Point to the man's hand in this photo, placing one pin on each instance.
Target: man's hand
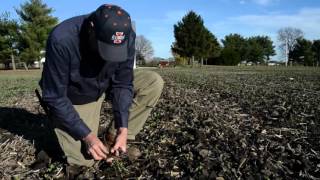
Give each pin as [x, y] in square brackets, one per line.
[121, 142]
[95, 147]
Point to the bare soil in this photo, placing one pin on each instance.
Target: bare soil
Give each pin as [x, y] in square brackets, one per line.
[210, 123]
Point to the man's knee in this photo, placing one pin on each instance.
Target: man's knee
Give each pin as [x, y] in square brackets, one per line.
[157, 82]
[148, 83]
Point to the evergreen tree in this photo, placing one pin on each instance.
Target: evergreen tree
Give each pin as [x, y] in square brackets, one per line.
[193, 39]
[210, 49]
[254, 51]
[189, 35]
[267, 46]
[302, 52]
[229, 57]
[36, 23]
[316, 51]
[8, 39]
[238, 44]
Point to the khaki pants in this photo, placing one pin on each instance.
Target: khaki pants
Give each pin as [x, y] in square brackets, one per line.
[147, 87]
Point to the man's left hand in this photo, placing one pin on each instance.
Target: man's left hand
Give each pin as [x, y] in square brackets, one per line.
[121, 142]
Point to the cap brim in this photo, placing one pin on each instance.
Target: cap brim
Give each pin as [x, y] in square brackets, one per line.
[113, 53]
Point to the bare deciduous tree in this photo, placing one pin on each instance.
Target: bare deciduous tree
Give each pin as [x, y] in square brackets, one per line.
[144, 49]
[288, 38]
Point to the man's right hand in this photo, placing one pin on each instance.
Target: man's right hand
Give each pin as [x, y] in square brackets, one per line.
[95, 147]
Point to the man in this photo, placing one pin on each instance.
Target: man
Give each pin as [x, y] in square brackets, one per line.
[88, 58]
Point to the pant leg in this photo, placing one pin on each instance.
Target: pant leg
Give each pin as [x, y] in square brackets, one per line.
[75, 150]
[148, 86]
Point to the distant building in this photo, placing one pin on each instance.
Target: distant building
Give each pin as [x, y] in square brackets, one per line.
[245, 63]
[36, 63]
[273, 63]
[163, 64]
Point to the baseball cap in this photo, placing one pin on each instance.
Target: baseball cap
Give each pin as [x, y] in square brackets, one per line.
[112, 27]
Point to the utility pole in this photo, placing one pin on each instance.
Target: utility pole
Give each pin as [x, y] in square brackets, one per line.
[135, 56]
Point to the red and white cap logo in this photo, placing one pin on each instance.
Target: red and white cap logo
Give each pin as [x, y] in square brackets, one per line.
[118, 37]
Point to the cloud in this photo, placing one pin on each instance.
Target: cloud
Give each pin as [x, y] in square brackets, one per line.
[259, 2]
[263, 2]
[306, 19]
[242, 2]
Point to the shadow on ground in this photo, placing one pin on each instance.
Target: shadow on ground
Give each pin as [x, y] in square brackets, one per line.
[33, 127]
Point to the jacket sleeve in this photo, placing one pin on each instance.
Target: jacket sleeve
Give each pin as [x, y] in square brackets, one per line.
[122, 87]
[54, 82]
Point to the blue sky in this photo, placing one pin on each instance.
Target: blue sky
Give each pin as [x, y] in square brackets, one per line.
[155, 19]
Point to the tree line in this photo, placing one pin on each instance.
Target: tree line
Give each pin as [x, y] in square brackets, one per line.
[305, 52]
[24, 40]
[195, 43]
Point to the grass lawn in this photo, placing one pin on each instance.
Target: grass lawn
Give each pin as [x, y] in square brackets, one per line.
[15, 84]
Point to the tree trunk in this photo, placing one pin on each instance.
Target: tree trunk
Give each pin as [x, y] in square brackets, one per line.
[201, 62]
[25, 66]
[192, 61]
[40, 65]
[13, 62]
[318, 59]
[7, 65]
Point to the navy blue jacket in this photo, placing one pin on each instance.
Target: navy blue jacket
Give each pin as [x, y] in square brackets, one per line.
[70, 77]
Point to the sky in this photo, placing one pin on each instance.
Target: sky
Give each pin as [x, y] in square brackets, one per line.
[155, 19]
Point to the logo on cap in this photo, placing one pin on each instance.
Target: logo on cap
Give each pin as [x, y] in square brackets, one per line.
[118, 37]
